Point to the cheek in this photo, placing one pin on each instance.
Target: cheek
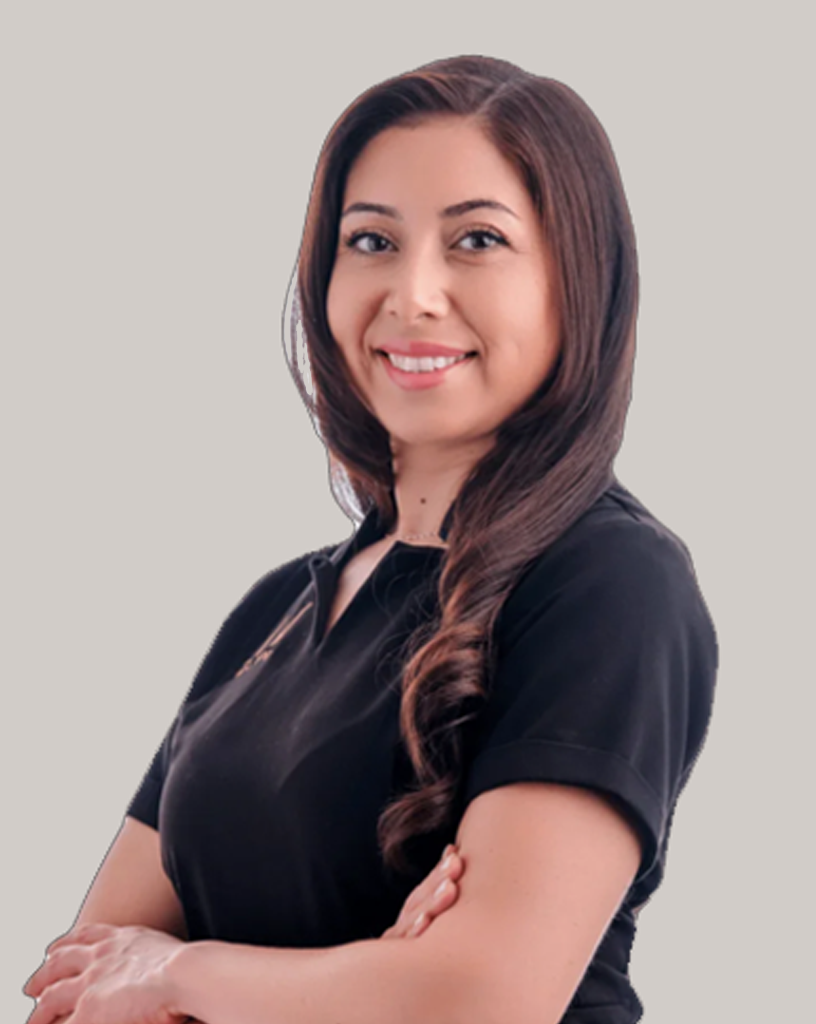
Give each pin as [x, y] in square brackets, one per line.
[530, 314]
[521, 338]
[513, 296]
[346, 311]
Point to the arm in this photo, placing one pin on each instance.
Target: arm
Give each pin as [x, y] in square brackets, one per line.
[366, 982]
[131, 886]
[547, 867]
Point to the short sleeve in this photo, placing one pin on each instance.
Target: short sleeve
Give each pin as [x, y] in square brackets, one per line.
[144, 804]
[244, 628]
[604, 677]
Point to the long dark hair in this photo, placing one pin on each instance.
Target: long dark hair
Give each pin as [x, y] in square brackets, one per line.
[551, 459]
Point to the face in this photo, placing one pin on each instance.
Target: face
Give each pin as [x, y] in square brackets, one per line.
[420, 264]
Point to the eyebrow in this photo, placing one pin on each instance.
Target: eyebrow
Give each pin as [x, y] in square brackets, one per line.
[456, 210]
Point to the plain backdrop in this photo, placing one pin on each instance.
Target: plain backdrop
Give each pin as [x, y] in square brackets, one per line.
[156, 162]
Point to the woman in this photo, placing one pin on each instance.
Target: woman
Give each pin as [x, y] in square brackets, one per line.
[511, 653]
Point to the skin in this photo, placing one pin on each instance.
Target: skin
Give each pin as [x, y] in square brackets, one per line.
[478, 281]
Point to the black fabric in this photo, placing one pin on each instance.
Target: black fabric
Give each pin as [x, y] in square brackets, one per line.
[268, 785]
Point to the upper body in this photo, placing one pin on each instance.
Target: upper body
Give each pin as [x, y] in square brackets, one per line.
[267, 787]
[474, 212]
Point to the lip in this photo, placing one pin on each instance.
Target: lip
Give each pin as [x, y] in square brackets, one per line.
[417, 348]
[419, 381]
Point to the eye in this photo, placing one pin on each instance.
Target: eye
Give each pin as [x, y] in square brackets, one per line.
[378, 241]
[350, 242]
[483, 233]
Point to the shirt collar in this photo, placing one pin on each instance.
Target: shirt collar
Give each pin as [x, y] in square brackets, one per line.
[372, 528]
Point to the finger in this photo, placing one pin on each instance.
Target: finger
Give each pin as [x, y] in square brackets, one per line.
[418, 900]
[449, 870]
[414, 921]
[66, 962]
[58, 1001]
[425, 896]
[419, 926]
[85, 933]
[452, 866]
[442, 899]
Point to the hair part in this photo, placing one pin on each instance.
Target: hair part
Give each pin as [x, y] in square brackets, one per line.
[551, 459]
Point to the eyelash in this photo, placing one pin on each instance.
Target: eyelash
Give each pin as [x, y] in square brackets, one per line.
[350, 241]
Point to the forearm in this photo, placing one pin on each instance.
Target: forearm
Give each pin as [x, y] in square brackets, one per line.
[374, 981]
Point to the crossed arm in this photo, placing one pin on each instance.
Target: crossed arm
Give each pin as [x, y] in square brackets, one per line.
[547, 866]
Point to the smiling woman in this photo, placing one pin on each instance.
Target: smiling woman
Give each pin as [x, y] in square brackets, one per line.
[532, 681]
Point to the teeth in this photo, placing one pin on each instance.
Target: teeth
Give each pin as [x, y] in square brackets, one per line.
[423, 365]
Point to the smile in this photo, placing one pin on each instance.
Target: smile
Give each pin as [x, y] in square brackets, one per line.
[423, 364]
[413, 373]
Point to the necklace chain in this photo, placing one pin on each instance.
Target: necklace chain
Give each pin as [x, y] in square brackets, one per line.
[415, 536]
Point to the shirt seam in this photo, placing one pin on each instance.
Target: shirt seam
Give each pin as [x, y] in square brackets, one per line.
[572, 746]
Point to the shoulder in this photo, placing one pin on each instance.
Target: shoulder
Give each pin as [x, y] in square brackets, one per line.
[616, 556]
[279, 582]
[273, 593]
[252, 617]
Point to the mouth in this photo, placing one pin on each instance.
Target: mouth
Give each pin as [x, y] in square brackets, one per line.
[424, 373]
[423, 364]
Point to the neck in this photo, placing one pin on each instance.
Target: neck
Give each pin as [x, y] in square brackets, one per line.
[427, 482]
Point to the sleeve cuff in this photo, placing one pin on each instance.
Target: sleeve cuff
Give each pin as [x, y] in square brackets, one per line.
[550, 761]
[145, 804]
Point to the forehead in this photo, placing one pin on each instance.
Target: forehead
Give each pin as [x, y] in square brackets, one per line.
[440, 161]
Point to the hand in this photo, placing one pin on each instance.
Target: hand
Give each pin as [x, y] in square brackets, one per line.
[427, 901]
[106, 974]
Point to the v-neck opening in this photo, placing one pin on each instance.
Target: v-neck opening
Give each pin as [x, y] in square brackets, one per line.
[322, 633]
[327, 570]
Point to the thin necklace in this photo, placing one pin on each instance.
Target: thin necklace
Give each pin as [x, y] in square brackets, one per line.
[416, 536]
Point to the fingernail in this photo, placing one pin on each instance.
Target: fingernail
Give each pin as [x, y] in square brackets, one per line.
[417, 924]
[441, 888]
[446, 863]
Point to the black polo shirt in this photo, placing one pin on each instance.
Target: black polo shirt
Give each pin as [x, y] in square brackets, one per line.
[269, 783]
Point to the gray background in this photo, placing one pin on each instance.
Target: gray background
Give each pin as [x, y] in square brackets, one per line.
[156, 164]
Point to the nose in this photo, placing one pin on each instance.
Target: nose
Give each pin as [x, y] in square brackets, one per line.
[418, 286]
